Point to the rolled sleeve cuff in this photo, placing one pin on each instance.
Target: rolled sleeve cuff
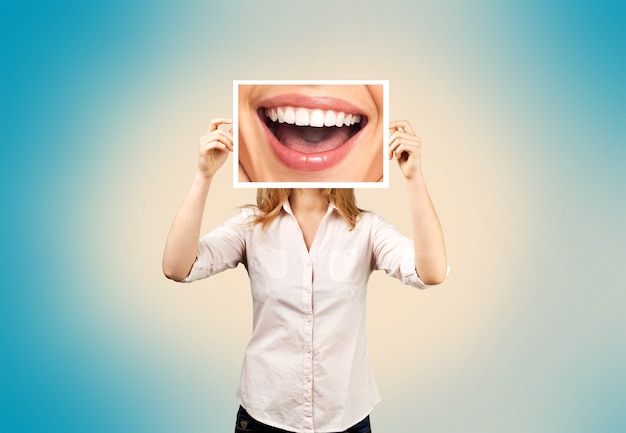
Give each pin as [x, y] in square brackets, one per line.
[409, 274]
[196, 273]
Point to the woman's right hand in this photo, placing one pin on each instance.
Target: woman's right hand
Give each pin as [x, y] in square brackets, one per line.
[214, 147]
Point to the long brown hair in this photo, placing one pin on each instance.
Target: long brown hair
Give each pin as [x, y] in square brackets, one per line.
[270, 201]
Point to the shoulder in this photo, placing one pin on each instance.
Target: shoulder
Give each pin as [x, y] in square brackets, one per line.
[369, 222]
[369, 219]
[242, 219]
[244, 214]
[377, 227]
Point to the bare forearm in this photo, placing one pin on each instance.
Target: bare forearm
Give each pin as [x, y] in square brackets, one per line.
[181, 246]
[430, 251]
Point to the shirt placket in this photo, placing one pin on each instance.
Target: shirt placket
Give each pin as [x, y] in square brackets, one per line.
[307, 309]
[307, 370]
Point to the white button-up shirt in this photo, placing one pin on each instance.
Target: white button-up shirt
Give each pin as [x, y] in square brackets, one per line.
[306, 367]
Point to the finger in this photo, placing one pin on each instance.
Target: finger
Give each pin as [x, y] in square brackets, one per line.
[217, 122]
[228, 142]
[217, 135]
[394, 144]
[402, 137]
[220, 134]
[405, 136]
[412, 145]
[398, 154]
[396, 125]
[401, 149]
[226, 127]
[410, 149]
[211, 146]
[402, 125]
[227, 139]
[403, 152]
[215, 148]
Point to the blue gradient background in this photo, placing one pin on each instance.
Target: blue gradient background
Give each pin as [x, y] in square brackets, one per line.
[521, 107]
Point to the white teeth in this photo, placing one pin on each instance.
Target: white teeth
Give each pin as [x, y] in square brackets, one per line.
[340, 117]
[330, 118]
[316, 118]
[302, 117]
[311, 117]
[290, 115]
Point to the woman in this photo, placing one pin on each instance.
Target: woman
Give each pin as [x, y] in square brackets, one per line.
[309, 253]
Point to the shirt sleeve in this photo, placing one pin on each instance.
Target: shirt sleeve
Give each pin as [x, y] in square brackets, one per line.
[394, 253]
[222, 248]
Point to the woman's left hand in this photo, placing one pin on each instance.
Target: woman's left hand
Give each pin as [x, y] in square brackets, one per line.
[406, 147]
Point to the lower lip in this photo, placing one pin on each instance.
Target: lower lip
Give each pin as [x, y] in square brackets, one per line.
[308, 162]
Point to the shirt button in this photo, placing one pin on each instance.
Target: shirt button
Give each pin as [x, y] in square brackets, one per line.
[309, 318]
[307, 350]
[307, 378]
[307, 290]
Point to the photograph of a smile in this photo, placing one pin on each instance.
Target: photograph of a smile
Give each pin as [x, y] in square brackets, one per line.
[330, 132]
[309, 130]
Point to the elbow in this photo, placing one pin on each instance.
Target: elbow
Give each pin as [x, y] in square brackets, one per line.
[433, 277]
[433, 280]
[174, 274]
[176, 268]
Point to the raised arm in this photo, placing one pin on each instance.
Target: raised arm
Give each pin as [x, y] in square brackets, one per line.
[430, 250]
[182, 240]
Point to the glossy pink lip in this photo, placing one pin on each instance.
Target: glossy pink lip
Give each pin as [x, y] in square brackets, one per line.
[320, 102]
[309, 162]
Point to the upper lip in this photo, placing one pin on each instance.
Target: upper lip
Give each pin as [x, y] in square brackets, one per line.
[311, 102]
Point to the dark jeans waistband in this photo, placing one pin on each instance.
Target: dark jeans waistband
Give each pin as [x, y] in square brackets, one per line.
[247, 424]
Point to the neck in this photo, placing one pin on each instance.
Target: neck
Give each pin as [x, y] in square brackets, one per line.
[307, 200]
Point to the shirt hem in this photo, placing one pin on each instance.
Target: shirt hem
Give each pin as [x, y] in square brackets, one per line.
[291, 429]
